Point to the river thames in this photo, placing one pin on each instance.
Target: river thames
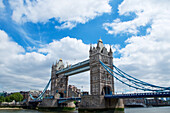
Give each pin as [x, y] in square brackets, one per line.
[127, 110]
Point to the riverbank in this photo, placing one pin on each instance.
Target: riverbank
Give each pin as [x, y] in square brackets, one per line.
[127, 110]
[7, 108]
[10, 107]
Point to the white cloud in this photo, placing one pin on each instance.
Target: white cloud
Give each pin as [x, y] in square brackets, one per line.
[67, 12]
[20, 70]
[147, 12]
[2, 4]
[145, 57]
[66, 25]
[64, 49]
[17, 68]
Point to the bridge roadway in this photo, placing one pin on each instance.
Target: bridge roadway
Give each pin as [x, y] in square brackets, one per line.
[133, 95]
[139, 95]
[75, 69]
[60, 100]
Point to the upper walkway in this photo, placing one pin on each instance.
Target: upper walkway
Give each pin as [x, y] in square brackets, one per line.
[75, 69]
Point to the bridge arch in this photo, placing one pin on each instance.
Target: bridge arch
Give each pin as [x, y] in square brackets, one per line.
[61, 95]
[106, 90]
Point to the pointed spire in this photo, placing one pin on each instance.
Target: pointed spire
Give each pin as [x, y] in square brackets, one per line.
[56, 63]
[110, 49]
[53, 64]
[90, 47]
[100, 40]
[100, 44]
[110, 52]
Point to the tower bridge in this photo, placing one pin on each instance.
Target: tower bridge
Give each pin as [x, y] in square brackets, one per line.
[102, 95]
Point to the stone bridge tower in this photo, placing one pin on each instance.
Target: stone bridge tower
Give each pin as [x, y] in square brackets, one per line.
[101, 82]
[59, 83]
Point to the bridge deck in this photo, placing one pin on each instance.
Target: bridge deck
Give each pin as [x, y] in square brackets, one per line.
[139, 95]
[134, 95]
[61, 100]
[71, 98]
[33, 101]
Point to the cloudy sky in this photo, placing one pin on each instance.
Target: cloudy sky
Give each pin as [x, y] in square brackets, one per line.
[36, 33]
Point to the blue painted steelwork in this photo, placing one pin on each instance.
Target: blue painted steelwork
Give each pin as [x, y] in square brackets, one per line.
[140, 81]
[33, 101]
[76, 68]
[139, 95]
[138, 84]
[41, 95]
[62, 100]
[119, 79]
[50, 97]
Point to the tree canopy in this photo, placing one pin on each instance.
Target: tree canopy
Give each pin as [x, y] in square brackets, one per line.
[15, 96]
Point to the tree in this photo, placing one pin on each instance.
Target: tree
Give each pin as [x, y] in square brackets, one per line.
[16, 96]
[7, 99]
[2, 98]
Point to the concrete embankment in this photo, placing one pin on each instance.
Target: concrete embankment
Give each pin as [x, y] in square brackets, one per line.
[11, 107]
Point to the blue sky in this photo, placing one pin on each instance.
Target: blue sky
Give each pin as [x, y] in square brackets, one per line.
[34, 34]
[43, 33]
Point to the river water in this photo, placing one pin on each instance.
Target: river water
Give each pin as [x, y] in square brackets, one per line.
[127, 110]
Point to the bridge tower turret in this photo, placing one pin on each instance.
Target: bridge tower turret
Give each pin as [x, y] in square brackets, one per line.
[59, 83]
[101, 82]
[53, 79]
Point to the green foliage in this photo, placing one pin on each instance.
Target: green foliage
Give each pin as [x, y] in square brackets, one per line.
[16, 96]
[2, 99]
[7, 99]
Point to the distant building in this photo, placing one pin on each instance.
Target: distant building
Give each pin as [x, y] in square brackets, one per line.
[73, 91]
[147, 101]
[35, 93]
[4, 94]
[134, 100]
[84, 93]
[25, 94]
[47, 93]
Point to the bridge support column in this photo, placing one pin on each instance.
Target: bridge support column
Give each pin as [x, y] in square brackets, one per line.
[53, 105]
[114, 103]
[91, 103]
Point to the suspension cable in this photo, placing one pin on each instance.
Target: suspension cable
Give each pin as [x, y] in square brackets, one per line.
[43, 92]
[107, 68]
[144, 83]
